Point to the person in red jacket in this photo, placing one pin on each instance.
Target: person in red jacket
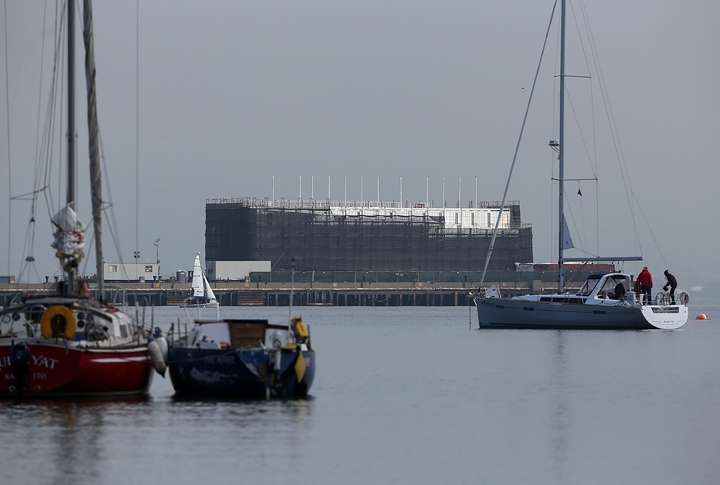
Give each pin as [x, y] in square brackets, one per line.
[645, 282]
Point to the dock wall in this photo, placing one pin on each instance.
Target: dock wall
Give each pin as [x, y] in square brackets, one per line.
[304, 294]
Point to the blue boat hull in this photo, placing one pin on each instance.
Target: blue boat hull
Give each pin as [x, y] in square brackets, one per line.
[509, 313]
[244, 372]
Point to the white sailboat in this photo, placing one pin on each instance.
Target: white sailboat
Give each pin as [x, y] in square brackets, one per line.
[203, 296]
[604, 302]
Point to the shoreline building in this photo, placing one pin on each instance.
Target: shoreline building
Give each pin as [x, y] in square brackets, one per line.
[368, 236]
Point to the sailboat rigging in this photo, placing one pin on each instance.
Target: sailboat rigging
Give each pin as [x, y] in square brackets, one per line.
[68, 343]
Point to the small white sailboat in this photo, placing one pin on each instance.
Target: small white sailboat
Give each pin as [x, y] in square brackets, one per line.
[604, 302]
[203, 296]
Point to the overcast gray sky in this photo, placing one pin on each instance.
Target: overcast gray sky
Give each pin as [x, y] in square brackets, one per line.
[234, 92]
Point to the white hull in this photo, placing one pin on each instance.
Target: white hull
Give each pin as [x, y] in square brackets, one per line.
[213, 304]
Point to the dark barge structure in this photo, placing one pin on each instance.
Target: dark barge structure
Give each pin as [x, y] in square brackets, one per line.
[382, 236]
[353, 254]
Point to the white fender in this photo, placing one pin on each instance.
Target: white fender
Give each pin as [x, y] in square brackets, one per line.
[163, 344]
[157, 357]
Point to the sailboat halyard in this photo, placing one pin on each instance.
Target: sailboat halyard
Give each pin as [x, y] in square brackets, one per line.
[604, 302]
[69, 344]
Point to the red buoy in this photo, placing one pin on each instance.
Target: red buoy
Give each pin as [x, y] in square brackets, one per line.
[702, 317]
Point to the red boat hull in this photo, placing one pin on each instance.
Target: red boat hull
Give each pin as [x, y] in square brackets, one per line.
[57, 370]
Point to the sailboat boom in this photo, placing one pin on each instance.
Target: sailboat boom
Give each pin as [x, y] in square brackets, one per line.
[603, 259]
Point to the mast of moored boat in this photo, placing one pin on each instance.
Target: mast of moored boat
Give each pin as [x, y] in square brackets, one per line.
[94, 151]
[561, 149]
[70, 200]
[561, 172]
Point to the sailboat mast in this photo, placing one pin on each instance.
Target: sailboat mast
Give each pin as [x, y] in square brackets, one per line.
[71, 123]
[561, 150]
[71, 105]
[94, 150]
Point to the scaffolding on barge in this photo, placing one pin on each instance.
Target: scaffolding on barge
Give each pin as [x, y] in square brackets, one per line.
[382, 236]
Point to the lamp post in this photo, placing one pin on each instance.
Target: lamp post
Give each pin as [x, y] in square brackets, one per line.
[157, 255]
[157, 249]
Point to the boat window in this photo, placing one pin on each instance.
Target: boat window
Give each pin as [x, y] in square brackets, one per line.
[589, 285]
[611, 290]
[562, 299]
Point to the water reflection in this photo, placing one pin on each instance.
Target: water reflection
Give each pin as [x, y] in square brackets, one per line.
[240, 414]
[65, 436]
[73, 438]
[560, 418]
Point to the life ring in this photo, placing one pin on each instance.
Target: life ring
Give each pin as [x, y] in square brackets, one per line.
[58, 320]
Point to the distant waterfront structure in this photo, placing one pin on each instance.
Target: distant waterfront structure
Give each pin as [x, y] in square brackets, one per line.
[235, 270]
[122, 272]
[365, 236]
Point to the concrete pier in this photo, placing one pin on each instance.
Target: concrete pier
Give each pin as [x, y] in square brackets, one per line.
[278, 294]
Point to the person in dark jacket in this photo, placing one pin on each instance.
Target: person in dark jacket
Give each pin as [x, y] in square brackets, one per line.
[645, 282]
[672, 283]
[619, 291]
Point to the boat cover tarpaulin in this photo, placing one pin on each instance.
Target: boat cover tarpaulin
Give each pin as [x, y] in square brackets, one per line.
[70, 234]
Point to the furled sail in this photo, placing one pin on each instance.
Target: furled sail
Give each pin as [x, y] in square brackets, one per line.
[69, 236]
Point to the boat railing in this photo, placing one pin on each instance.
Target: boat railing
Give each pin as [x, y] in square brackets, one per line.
[283, 203]
[113, 292]
[664, 298]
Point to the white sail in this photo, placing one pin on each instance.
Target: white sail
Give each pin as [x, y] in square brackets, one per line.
[197, 280]
[210, 294]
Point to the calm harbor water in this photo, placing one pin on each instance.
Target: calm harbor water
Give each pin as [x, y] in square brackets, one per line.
[408, 395]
